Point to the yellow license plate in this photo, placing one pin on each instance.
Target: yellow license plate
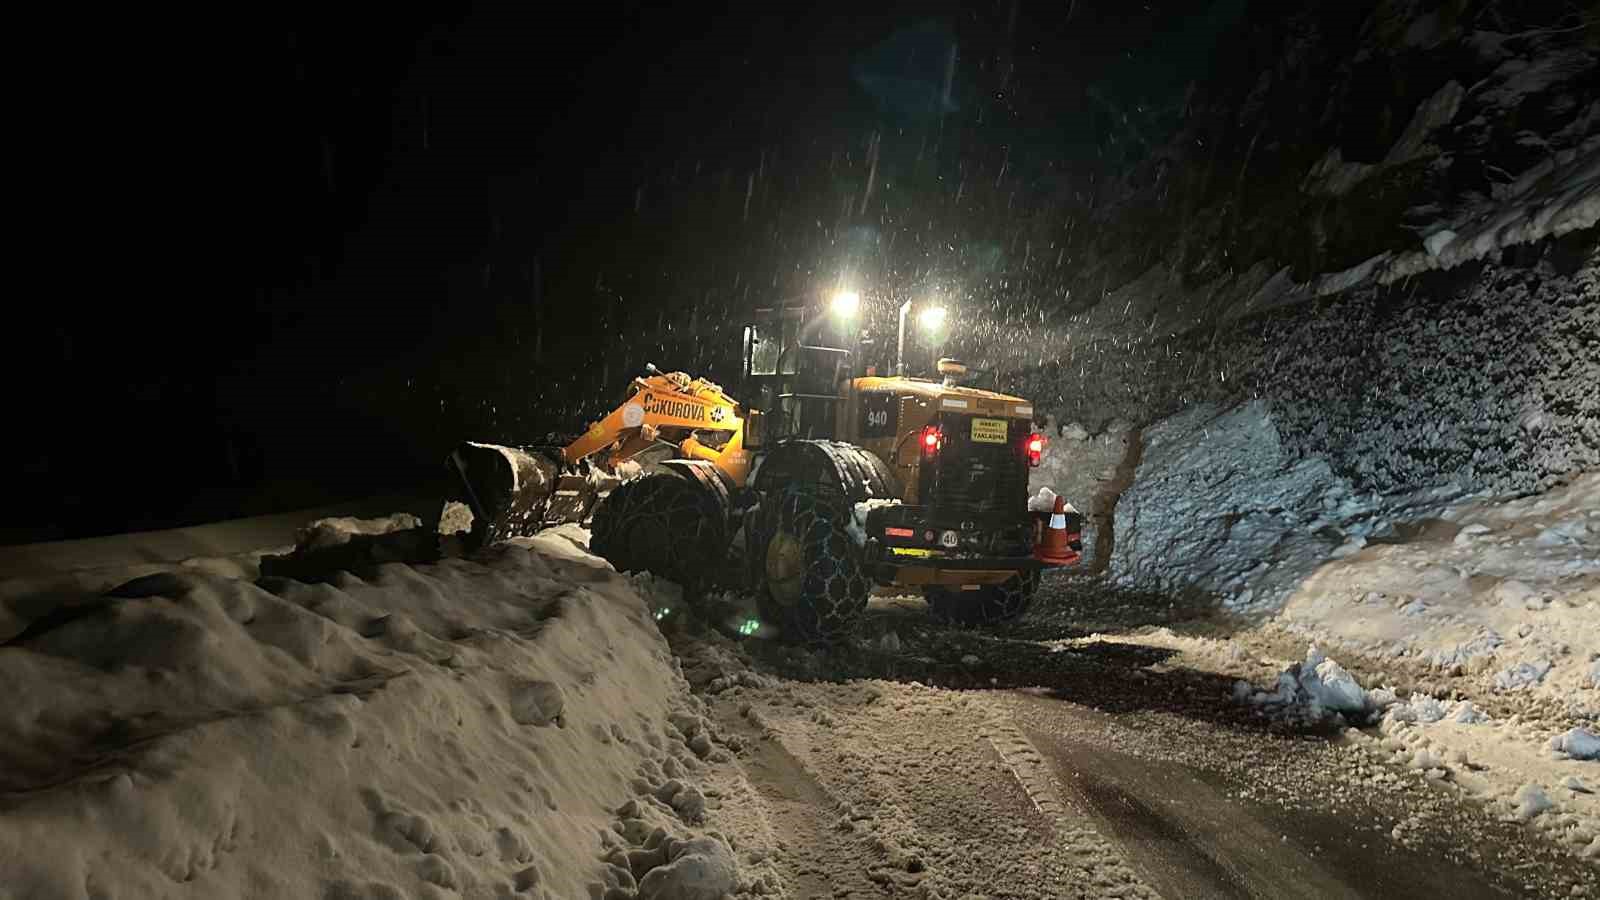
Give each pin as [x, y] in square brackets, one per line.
[910, 551]
[989, 431]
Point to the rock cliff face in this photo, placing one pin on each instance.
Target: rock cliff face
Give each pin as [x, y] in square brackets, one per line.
[1363, 280]
[1343, 144]
[1398, 258]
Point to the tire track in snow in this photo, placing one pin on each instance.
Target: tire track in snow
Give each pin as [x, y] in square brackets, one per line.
[1190, 835]
[817, 859]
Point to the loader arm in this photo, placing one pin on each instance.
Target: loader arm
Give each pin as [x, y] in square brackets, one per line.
[670, 408]
[514, 491]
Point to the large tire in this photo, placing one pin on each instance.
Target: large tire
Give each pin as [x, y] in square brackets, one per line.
[664, 523]
[988, 605]
[811, 583]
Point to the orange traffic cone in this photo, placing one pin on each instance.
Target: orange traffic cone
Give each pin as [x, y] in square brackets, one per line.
[1056, 546]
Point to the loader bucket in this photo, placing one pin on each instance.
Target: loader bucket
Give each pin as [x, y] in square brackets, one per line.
[577, 493]
[573, 499]
[506, 488]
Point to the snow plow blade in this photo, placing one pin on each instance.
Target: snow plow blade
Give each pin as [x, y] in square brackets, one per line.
[507, 489]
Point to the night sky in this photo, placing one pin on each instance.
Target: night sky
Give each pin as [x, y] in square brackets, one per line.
[387, 192]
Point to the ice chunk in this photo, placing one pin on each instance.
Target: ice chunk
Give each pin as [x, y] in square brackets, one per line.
[1426, 759]
[337, 531]
[1382, 698]
[1319, 684]
[1335, 689]
[1465, 713]
[537, 703]
[1419, 708]
[1579, 743]
[1532, 801]
[1513, 593]
[1522, 675]
[1436, 242]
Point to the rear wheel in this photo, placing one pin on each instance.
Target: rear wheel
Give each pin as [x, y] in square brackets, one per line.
[663, 523]
[813, 586]
[987, 605]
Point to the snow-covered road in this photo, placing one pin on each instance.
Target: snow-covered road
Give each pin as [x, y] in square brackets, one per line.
[971, 764]
[515, 725]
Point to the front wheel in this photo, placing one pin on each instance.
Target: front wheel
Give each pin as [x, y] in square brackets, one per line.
[988, 605]
[663, 523]
[812, 583]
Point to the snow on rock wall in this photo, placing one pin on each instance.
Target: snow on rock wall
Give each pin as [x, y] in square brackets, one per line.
[1364, 281]
[1323, 421]
[1218, 504]
[1480, 380]
[459, 729]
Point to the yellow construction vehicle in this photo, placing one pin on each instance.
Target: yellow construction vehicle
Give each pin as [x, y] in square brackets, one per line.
[828, 483]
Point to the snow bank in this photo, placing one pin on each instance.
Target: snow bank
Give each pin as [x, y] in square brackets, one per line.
[458, 728]
[1504, 594]
[337, 531]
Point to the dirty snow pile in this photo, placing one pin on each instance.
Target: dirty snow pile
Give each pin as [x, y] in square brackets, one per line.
[481, 728]
[1550, 783]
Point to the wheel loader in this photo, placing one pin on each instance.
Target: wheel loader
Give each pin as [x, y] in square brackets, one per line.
[826, 482]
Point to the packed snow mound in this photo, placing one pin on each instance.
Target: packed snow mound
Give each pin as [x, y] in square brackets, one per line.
[456, 728]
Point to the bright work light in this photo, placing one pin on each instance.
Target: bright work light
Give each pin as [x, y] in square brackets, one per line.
[931, 318]
[846, 304]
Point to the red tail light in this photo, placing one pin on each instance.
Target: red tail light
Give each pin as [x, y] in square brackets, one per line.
[932, 440]
[1035, 449]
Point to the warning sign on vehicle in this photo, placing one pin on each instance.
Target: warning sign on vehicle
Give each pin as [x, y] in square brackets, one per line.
[989, 431]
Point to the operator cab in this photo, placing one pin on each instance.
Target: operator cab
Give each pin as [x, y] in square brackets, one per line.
[794, 368]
